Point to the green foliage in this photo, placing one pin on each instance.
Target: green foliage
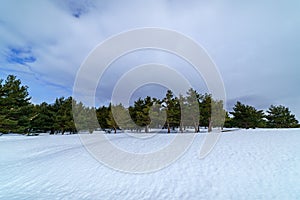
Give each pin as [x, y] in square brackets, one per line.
[245, 116]
[119, 118]
[86, 118]
[212, 113]
[140, 112]
[228, 121]
[157, 114]
[63, 118]
[171, 105]
[43, 118]
[280, 117]
[205, 110]
[190, 109]
[218, 114]
[15, 106]
[102, 116]
[18, 115]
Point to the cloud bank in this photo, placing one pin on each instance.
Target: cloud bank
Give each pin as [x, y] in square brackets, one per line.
[255, 44]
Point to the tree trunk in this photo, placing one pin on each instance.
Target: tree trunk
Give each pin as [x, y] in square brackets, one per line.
[209, 125]
[181, 127]
[196, 127]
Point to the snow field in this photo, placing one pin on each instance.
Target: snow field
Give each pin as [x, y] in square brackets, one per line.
[245, 164]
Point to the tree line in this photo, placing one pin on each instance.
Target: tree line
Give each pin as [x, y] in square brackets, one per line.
[19, 115]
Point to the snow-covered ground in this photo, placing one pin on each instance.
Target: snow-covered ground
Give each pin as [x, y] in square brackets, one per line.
[245, 164]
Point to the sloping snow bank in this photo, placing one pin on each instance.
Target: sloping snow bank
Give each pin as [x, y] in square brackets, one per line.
[245, 164]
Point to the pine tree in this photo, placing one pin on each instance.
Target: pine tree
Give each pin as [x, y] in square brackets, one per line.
[157, 114]
[110, 120]
[15, 107]
[63, 119]
[42, 119]
[218, 115]
[228, 121]
[172, 108]
[86, 118]
[205, 110]
[184, 111]
[212, 113]
[121, 117]
[280, 117]
[245, 116]
[140, 112]
[191, 113]
[102, 116]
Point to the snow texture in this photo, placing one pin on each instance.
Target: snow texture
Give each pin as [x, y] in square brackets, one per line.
[245, 164]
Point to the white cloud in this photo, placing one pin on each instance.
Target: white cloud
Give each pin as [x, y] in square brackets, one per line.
[255, 44]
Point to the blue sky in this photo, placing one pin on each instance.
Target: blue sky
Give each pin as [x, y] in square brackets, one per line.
[255, 44]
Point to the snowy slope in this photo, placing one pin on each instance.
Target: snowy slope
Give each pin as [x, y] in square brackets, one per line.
[245, 164]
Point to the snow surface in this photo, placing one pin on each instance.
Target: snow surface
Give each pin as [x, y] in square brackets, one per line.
[245, 164]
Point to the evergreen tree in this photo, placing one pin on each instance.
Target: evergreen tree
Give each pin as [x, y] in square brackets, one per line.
[184, 111]
[18, 115]
[209, 107]
[63, 119]
[42, 119]
[140, 112]
[111, 120]
[190, 114]
[228, 121]
[15, 107]
[80, 116]
[205, 110]
[219, 114]
[119, 116]
[92, 122]
[280, 117]
[157, 114]
[245, 116]
[102, 116]
[172, 108]
[86, 118]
